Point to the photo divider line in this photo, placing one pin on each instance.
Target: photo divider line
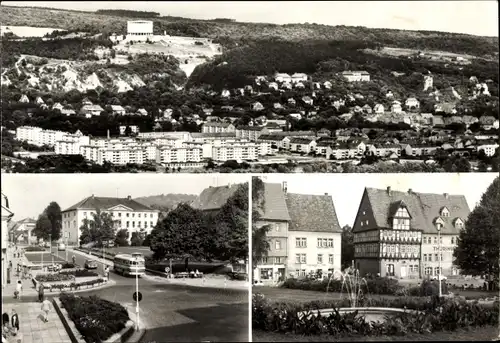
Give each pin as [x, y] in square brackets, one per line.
[250, 266]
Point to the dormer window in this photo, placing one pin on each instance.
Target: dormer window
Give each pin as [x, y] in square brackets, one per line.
[402, 213]
[401, 219]
[444, 212]
[459, 224]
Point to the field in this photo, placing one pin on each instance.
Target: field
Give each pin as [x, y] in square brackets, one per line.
[28, 31]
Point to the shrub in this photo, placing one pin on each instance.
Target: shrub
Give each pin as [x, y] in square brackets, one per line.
[34, 248]
[79, 273]
[96, 319]
[431, 287]
[434, 315]
[68, 266]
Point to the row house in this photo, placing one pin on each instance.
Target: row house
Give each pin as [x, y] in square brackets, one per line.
[214, 127]
[396, 233]
[250, 133]
[384, 150]
[356, 76]
[302, 145]
[419, 149]
[126, 213]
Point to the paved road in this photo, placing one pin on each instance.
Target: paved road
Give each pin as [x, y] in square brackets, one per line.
[180, 313]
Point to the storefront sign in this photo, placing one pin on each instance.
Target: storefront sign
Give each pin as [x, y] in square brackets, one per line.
[444, 248]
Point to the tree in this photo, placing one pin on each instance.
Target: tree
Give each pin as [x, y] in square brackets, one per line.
[137, 238]
[100, 229]
[121, 238]
[479, 242]
[43, 227]
[182, 231]
[54, 215]
[260, 243]
[347, 253]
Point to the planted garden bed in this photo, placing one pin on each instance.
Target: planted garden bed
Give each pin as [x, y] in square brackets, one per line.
[96, 319]
[434, 315]
[79, 273]
[32, 248]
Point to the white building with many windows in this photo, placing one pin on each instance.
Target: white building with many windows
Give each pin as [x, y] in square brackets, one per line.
[38, 136]
[139, 29]
[126, 212]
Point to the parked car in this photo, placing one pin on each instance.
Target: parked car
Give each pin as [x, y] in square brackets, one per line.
[47, 245]
[61, 247]
[89, 264]
[441, 277]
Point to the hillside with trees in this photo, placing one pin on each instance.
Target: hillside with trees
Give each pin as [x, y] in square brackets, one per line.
[166, 202]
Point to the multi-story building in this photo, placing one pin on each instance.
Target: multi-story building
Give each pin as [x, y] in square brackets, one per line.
[214, 127]
[274, 214]
[304, 235]
[127, 213]
[70, 144]
[169, 154]
[7, 215]
[356, 76]
[183, 135]
[314, 235]
[237, 151]
[396, 233]
[38, 136]
[251, 133]
[22, 231]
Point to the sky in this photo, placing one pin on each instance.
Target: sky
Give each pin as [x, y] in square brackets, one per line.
[346, 190]
[29, 194]
[472, 17]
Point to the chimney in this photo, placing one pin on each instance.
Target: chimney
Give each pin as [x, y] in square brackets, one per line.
[389, 190]
[92, 196]
[108, 134]
[446, 195]
[326, 193]
[129, 197]
[410, 191]
[285, 188]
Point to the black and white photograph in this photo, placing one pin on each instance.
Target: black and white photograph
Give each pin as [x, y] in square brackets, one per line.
[130, 258]
[378, 257]
[253, 86]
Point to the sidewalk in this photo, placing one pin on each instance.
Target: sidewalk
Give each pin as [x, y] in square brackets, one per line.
[33, 329]
[28, 288]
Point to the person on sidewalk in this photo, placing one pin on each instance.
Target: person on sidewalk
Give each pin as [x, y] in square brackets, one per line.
[46, 307]
[14, 319]
[5, 319]
[73, 259]
[106, 273]
[19, 289]
[41, 291]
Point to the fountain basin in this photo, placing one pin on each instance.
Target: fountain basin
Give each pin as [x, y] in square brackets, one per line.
[371, 314]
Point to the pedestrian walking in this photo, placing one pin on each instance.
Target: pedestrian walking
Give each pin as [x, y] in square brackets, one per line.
[19, 290]
[46, 307]
[41, 291]
[73, 259]
[14, 320]
[106, 273]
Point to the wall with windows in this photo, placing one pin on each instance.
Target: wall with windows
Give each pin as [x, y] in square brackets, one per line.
[430, 255]
[272, 267]
[313, 251]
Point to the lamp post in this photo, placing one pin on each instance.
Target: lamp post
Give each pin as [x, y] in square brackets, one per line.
[438, 227]
[137, 293]
[66, 234]
[50, 239]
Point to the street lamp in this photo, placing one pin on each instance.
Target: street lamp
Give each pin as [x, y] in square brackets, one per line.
[137, 292]
[438, 227]
[50, 239]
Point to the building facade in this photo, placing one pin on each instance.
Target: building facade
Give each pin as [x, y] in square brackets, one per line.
[396, 233]
[139, 29]
[304, 235]
[127, 213]
[7, 215]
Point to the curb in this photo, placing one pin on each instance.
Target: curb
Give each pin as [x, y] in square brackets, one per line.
[68, 324]
[109, 283]
[135, 336]
[123, 335]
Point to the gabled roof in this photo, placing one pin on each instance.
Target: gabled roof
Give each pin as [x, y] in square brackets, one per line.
[301, 140]
[312, 213]
[213, 198]
[104, 203]
[275, 207]
[423, 208]
[117, 108]
[92, 108]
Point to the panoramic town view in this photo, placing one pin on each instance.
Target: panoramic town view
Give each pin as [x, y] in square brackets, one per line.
[404, 257]
[115, 90]
[149, 259]
[283, 171]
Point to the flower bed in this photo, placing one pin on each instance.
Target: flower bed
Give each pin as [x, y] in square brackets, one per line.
[73, 285]
[54, 277]
[79, 273]
[381, 285]
[96, 319]
[435, 315]
[68, 266]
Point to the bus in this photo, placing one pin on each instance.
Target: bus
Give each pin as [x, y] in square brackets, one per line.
[127, 264]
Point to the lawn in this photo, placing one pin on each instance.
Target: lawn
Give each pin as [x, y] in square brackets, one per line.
[285, 294]
[476, 334]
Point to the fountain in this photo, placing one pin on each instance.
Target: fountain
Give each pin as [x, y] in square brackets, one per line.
[353, 283]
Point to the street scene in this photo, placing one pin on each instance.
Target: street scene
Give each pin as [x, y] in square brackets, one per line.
[402, 256]
[197, 292]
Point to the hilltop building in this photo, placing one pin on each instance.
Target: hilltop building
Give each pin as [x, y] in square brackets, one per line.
[139, 29]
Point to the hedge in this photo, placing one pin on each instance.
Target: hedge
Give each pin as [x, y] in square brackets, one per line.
[34, 248]
[96, 319]
[378, 285]
[79, 273]
[435, 314]
[68, 265]
[74, 286]
[53, 277]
